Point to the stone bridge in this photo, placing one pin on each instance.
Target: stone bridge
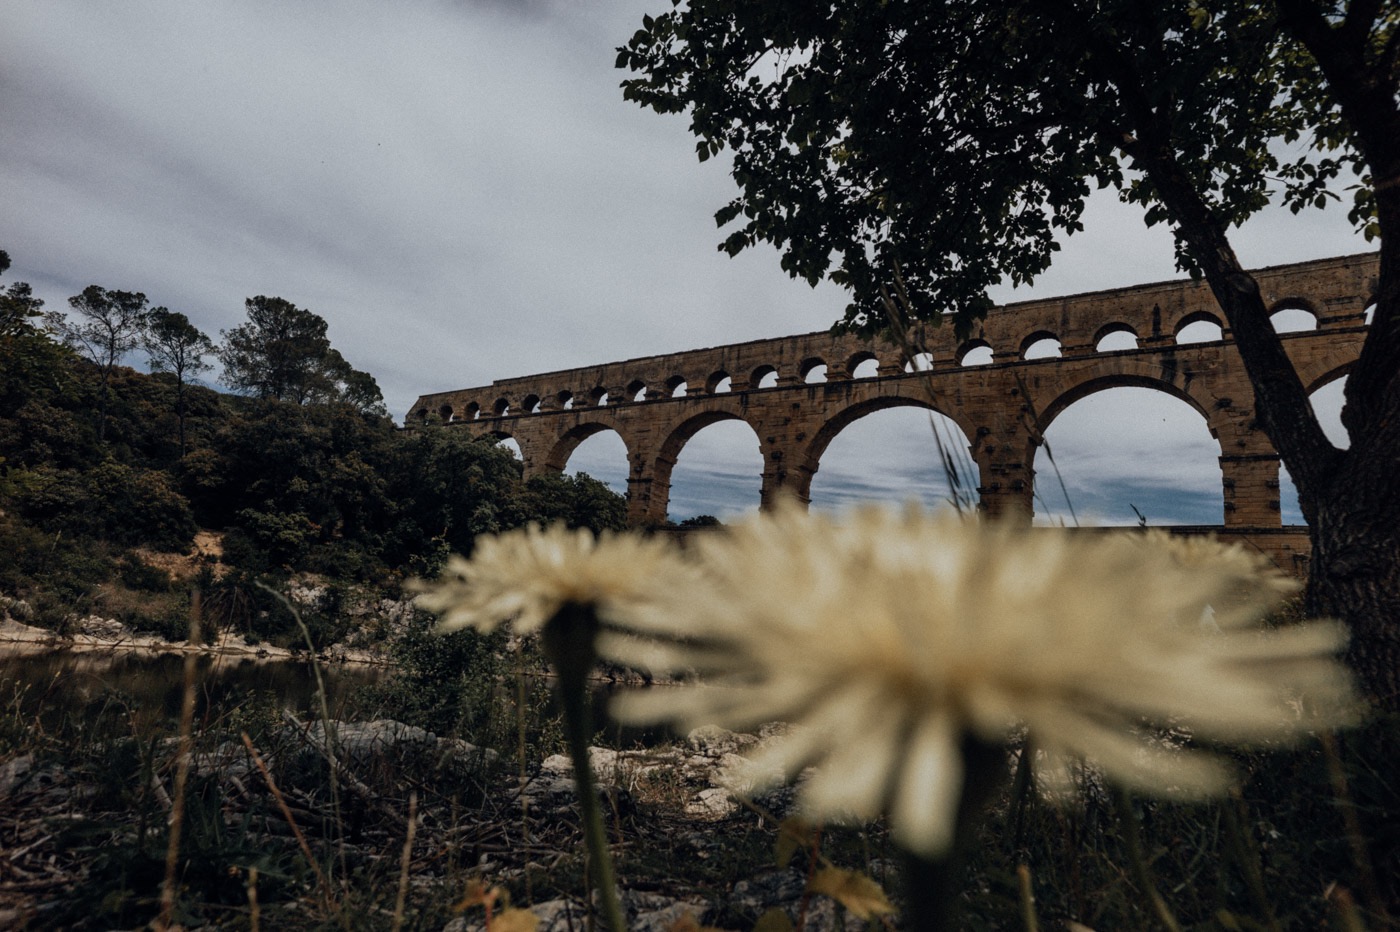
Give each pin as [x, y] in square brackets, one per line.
[1026, 363]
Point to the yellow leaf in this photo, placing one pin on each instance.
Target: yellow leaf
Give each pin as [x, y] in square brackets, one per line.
[860, 894]
[794, 835]
[514, 920]
[688, 923]
[774, 920]
[478, 894]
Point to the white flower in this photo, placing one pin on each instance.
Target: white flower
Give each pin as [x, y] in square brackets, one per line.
[888, 639]
[526, 576]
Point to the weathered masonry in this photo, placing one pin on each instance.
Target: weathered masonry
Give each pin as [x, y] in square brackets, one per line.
[1000, 387]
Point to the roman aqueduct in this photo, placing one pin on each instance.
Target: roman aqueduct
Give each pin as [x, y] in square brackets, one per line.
[1027, 363]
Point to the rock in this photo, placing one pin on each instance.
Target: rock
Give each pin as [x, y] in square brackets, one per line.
[103, 629]
[361, 743]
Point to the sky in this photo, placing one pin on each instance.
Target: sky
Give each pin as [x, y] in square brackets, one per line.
[459, 189]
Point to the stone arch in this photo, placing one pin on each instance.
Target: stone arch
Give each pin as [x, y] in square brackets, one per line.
[676, 440]
[1292, 315]
[1041, 344]
[1112, 455]
[599, 397]
[1198, 317]
[558, 458]
[810, 459]
[807, 369]
[857, 360]
[1111, 331]
[637, 390]
[676, 386]
[530, 404]
[869, 450]
[974, 348]
[920, 362]
[501, 408]
[718, 383]
[445, 412]
[760, 373]
[421, 414]
[472, 411]
[1122, 377]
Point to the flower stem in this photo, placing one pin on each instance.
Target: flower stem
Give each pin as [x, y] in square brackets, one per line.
[933, 884]
[569, 644]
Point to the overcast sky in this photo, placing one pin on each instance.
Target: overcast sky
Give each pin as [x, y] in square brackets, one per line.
[460, 190]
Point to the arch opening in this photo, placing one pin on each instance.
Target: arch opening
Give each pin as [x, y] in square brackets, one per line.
[530, 404]
[867, 368]
[511, 444]
[445, 412]
[718, 469]
[974, 353]
[1115, 338]
[920, 362]
[565, 400]
[813, 371]
[597, 451]
[1293, 320]
[1327, 402]
[501, 407]
[599, 397]
[1201, 327]
[890, 452]
[764, 377]
[1126, 454]
[637, 390]
[718, 383]
[1041, 346]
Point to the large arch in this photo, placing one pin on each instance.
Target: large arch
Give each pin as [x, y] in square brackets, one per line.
[661, 467]
[1327, 396]
[609, 466]
[908, 447]
[1117, 451]
[714, 466]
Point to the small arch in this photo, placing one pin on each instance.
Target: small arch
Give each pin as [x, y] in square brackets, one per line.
[764, 377]
[473, 411]
[1293, 320]
[531, 404]
[812, 370]
[1200, 327]
[718, 383]
[637, 390]
[919, 362]
[1040, 345]
[501, 407]
[421, 414]
[1115, 337]
[676, 386]
[974, 353]
[565, 399]
[863, 365]
[599, 397]
[445, 412]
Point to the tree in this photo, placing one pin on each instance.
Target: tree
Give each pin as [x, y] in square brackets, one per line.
[110, 325]
[283, 353]
[920, 152]
[176, 346]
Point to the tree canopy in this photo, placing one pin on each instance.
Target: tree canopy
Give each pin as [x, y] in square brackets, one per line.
[283, 352]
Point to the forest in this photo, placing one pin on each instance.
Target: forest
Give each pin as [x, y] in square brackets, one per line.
[297, 471]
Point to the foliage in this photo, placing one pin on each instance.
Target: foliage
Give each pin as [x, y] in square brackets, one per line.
[283, 353]
[176, 346]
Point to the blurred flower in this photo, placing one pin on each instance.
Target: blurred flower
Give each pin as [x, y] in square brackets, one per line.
[889, 639]
[527, 576]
